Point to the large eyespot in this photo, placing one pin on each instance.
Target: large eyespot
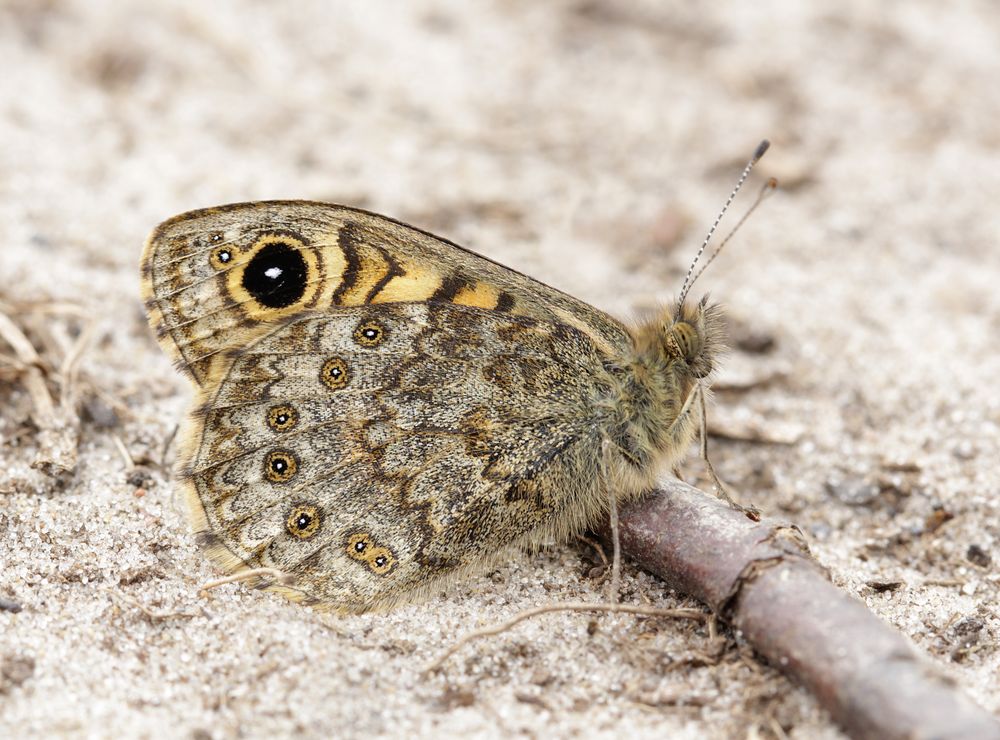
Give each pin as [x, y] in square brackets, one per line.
[280, 466]
[303, 521]
[369, 333]
[277, 274]
[334, 373]
[282, 418]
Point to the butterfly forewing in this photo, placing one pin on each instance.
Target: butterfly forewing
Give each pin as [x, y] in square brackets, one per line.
[216, 279]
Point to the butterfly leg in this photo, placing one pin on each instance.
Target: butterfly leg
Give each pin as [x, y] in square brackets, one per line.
[616, 550]
[750, 511]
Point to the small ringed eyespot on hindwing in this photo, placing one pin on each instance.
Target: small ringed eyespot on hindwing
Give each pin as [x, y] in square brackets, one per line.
[282, 418]
[380, 560]
[303, 521]
[358, 544]
[334, 374]
[369, 333]
[280, 466]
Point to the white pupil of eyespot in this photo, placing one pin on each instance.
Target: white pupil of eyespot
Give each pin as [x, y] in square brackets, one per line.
[273, 272]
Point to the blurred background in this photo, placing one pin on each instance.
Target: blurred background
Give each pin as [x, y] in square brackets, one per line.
[589, 144]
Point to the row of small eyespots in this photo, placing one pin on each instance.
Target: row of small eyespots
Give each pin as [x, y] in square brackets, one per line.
[334, 375]
[304, 521]
[281, 466]
[362, 547]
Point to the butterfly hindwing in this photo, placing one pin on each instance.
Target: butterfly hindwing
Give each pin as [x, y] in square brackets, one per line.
[371, 451]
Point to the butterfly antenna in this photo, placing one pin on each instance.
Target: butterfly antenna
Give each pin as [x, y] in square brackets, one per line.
[688, 280]
[766, 189]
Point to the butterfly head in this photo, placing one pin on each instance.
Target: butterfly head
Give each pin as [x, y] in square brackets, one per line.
[692, 334]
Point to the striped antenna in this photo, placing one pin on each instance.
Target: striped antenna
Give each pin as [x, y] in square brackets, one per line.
[766, 189]
[688, 279]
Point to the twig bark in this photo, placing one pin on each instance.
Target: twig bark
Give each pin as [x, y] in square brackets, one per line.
[760, 578]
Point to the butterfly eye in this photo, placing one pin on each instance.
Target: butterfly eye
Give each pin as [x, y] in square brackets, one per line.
[334, 374]
[369, 333]
[282, 418]
[688, 341]
[280, 466]
[303, 521]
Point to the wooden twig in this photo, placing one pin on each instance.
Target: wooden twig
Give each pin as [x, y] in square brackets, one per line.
[760, 577]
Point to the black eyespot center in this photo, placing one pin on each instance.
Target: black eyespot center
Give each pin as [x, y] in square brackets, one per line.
[282, 418]
[369, 333]
[359, 546]
[280, 466]
[221, 256]
[334, 374]
[277, 275]
[303, 521]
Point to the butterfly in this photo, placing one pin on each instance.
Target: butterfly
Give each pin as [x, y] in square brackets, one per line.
[380, 411]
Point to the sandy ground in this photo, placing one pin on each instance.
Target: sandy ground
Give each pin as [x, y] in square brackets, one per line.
[589, 144]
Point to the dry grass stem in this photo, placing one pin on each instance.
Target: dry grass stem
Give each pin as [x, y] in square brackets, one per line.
[152, 615]
[573, 606]
[245, 575]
